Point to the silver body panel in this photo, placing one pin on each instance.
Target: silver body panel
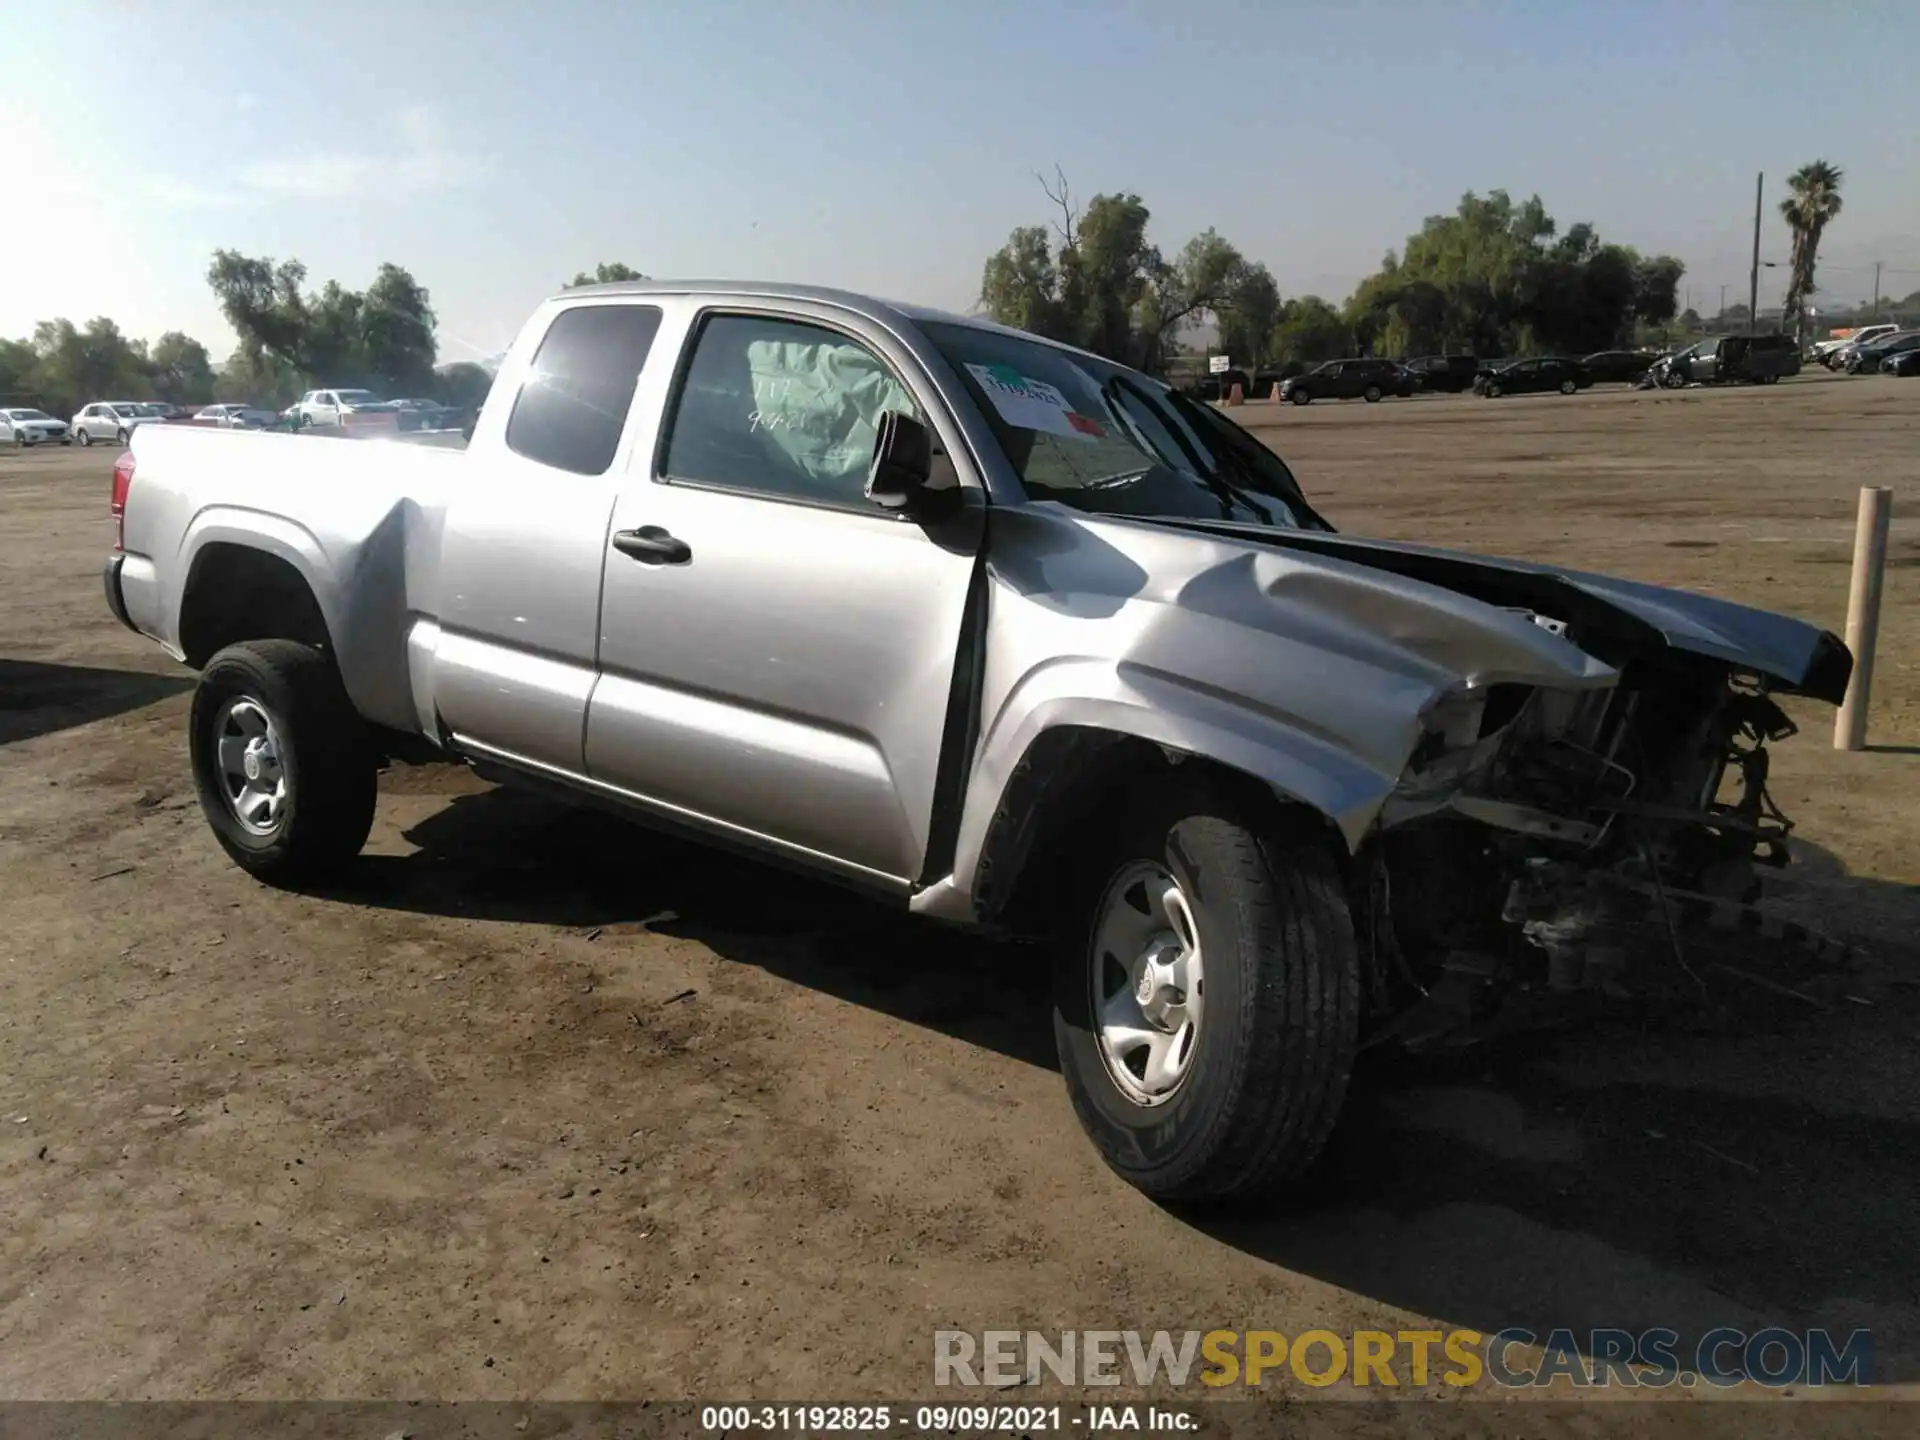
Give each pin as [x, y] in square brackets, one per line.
[792, 685]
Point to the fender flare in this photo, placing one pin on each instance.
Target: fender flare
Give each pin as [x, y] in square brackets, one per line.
[250, 530]
[1298, 765]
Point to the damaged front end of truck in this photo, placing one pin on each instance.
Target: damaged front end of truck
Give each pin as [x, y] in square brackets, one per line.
[1547, 851]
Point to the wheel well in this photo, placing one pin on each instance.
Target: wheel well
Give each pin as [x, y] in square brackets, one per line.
[238, 593]
[1068, 785]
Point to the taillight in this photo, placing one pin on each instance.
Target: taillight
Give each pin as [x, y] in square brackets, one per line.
[122, 482]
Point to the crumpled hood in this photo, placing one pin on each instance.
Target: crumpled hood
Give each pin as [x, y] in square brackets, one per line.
[1803, 658]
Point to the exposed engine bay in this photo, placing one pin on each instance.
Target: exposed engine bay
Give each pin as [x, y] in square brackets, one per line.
[1544, 845]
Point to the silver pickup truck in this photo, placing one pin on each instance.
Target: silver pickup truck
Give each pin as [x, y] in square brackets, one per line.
[998, 630]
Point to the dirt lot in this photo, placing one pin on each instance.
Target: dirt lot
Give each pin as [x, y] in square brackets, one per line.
[468, 1128]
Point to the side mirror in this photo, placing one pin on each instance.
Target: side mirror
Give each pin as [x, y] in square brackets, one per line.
[901, 478]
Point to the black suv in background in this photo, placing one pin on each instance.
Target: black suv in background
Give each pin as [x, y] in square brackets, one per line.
[1450, 374]
[1748, 359]
[1367, 380]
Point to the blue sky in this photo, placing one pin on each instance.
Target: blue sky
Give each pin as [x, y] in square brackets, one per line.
[494, 147]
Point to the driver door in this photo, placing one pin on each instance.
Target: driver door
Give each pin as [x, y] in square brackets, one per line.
[777, 654]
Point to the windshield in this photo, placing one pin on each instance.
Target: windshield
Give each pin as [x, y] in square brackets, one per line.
[356, 397]
[1108, 440]
[28, 415]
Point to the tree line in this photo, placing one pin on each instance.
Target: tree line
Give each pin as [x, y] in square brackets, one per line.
[1496, 277]
[292, 338]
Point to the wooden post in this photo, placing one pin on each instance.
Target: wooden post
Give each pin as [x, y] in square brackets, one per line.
[1863, 612]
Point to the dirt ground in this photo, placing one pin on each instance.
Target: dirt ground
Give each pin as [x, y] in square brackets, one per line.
[473, 1127]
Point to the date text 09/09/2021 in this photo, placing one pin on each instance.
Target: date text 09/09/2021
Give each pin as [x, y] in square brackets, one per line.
[944, 1419]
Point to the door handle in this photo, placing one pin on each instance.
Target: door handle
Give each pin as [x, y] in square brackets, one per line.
[651, 545]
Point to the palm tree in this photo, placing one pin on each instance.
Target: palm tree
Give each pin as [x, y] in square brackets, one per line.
[1812, 201]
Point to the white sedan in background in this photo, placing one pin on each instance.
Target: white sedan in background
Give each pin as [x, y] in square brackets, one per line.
[332, 407]
[114, 420]
[32, 427]
[237, 417]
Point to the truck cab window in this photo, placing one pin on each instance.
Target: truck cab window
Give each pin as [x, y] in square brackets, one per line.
[572, 407]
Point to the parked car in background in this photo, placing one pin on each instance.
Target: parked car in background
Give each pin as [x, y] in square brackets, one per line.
[1827, 352]
[1868, 359]
[1727, 360]
[1268, 379]
[1540, 375]
[332, 407]
[1907, 362]
[1218, 387]
[163, 409]
[424, 415]
[113, 420]
[1618, 367]
[1357, 379]
[1446, 374]
[24, 426]
[238, 417]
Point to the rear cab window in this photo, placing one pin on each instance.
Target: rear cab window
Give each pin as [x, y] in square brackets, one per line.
[572, 406]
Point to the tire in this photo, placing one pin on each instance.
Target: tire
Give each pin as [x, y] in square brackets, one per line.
[120, 438]
[1371, 395]
[1300, 397]
[1567, 387]
[1264, 1070]
[1493, 391]
[83, 437]
[316, 770]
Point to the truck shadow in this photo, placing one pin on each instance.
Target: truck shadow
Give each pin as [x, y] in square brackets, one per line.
[1633, 1176]
[38, 698]
[511, 855]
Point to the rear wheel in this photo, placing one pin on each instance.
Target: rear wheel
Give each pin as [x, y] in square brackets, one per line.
[1371, 394]
[1206, 1010]
[1567, 387]
[285, 771]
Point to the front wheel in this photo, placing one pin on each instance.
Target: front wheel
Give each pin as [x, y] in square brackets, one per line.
[1493, 391]
[83, 437]
[120, 438]
[1206, 1012]
[1301, 397]
[285, 771]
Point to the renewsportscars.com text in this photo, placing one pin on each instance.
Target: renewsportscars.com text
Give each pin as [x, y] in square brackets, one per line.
[1512, 1358]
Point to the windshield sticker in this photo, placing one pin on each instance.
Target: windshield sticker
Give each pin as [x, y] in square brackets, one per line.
[1030, 404]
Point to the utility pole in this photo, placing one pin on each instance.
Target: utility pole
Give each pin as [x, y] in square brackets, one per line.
[1723, 300]
[1753, 281]
[1876, 289]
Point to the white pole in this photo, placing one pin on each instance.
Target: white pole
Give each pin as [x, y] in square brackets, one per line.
[1863, 612]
